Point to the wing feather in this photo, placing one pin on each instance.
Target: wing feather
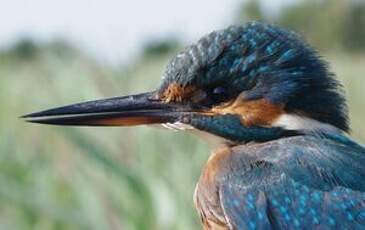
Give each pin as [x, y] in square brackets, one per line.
[306, 182]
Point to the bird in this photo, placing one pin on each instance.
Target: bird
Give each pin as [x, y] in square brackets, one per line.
[286, 159]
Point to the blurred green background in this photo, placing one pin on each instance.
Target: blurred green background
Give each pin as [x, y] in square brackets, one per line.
[131, 178]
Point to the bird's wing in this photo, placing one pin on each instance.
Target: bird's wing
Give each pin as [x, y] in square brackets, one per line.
[296, 183]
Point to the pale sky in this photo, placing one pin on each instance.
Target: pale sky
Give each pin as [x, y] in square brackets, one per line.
[113, 30]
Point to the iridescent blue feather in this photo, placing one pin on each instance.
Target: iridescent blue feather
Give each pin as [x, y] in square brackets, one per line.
[300, 182]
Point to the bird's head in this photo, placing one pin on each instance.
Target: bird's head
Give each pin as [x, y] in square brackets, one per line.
[251, 83]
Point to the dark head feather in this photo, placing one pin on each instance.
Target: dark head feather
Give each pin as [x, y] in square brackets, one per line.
[267, 62]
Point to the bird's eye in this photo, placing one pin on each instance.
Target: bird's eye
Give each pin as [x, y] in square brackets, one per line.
[218, 94]
[219, 90]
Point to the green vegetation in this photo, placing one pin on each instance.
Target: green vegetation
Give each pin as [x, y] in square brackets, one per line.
[327, 24]
[88, 178]
[106, 178]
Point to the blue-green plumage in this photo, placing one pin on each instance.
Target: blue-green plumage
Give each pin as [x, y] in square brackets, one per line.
[288, 162]
[302, 182]
[231, 128]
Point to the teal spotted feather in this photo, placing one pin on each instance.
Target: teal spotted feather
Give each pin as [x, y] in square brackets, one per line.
[304, 182]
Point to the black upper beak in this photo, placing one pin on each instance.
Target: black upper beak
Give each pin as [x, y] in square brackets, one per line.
[119, 111]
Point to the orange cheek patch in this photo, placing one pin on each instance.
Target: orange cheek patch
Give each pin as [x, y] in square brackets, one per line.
[177, 92]
[255, 112]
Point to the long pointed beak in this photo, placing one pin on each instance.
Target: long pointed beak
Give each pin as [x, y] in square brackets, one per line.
[119, 111]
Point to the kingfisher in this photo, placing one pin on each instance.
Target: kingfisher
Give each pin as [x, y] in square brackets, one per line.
[286, 159]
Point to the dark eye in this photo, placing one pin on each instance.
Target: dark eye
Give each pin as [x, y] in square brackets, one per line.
[218, 94]
[219, 90]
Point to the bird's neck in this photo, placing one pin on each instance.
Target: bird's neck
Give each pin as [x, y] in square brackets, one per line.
[230, 128]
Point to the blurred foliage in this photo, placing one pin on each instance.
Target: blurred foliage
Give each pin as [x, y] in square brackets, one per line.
[353, 29]
[328, 24]
[25, 49]
[161, 47]
[88, 178]
[118, 178]
[251, 11]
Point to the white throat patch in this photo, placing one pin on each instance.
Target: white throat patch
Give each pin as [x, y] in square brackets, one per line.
[177, 126]
[213, 140]
[296, 122]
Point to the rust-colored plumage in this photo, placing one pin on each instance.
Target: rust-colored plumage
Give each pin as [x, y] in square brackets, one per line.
[252, 112]
[206, 197]
[177, 92]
